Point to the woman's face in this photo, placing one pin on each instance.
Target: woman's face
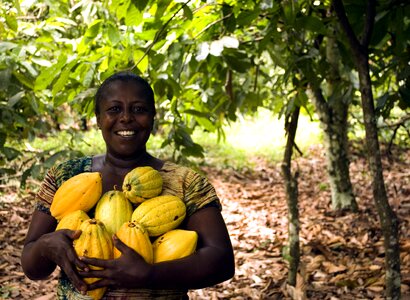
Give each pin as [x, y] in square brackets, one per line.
[125, 119]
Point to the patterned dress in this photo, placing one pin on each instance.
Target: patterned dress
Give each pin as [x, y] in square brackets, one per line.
[194, 189]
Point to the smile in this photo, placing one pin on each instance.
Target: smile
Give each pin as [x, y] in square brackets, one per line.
[126, 133]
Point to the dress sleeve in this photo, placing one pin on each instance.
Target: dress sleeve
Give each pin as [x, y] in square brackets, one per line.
[200, 193]
[45, 195]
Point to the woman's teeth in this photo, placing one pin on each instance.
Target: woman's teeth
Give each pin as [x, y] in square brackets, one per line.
[126, 133]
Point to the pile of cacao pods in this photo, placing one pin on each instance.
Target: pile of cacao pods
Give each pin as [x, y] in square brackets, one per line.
[138, 215]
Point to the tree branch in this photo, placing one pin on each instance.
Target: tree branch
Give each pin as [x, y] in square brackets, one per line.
[368, 26]
[344, 22]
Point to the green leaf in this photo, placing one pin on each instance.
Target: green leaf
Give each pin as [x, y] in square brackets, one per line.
[122, 8]
[206, 123]
[16, 98]
[11, 21]
[50, 161]
[187, 12]
[93, 30]
[245, 18]
[133, 16]
[24, 80]
[5, 76]
[113, 34]
[311, 23]
[3, 138]
[11, 153]
[239, 64]
[63, 78]
[48, 75]
[140, 4]
[147, 35]
[5, 46]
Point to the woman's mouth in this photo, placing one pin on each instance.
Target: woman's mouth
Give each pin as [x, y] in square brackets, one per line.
[126, 133]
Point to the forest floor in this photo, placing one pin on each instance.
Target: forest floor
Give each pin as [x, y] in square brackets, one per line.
[342, 254]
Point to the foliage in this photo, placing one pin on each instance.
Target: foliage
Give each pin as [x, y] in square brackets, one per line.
[208, 62]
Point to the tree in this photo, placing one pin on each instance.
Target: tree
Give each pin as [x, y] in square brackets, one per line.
[389, 223]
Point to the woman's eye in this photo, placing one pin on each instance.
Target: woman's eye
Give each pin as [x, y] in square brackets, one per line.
[113, 109]
[139, 109]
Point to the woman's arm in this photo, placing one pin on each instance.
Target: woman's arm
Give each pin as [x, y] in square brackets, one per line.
[213, 262]
[44, 249]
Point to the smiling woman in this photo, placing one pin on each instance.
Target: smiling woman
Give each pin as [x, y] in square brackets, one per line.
[125, 111]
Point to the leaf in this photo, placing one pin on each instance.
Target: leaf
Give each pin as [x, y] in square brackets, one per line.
[5, 46]
[63, 78]
[311, 23]
[133, 16]
[3, 138]
[187, 12]
[11, 153]
[113, 34]
[50, 161]
[237, 64]
[23, 79]
[11, 21]
[245, 18]
[49, 74]
[16, 98]
[122, 8]
[141, 60]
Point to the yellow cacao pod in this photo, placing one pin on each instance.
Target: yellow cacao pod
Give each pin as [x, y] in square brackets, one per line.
[160, 214]
[80, 192]
[174, 244]
[72, 220]
[136, 237]
[113, 209]
[142, 183]
[95, 242]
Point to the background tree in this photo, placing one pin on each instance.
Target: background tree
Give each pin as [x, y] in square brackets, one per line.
[359, 44]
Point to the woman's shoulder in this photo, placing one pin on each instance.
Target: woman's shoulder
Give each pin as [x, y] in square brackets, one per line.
[71, 167]
[82, 164]
[170, 166]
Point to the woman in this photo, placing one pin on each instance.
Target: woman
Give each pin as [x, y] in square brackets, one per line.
[125, 110]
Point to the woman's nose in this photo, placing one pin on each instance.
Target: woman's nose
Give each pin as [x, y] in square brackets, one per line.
[125, 116]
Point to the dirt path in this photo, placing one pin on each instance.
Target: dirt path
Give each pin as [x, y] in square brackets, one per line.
[342, 255]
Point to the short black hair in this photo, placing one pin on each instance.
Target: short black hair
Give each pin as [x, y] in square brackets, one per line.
[124, 77]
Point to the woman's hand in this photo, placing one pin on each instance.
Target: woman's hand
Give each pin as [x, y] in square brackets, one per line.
[58, 247]
[45, 248]
[128, 271]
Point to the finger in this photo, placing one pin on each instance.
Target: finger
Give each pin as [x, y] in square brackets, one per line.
[119, 244]
[72, 256]
[72, 275]
[75, 234]
[99, 284]
[93, 273]
[103, 263]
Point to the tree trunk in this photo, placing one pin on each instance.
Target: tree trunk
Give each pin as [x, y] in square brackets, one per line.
[334, 124]
[388, 219]
[291, 187]
[333, 114]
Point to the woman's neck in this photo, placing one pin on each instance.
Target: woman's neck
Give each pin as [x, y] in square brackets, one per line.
[121, 164]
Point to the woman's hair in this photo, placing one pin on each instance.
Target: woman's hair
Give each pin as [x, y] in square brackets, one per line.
[125, 77]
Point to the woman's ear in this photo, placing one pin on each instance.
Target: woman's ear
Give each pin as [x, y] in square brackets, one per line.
[154, 126]
[98, 121]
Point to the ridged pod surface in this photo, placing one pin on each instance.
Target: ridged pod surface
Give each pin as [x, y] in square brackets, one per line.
[142, 183]
[80, 192]
[113, 209]
[174, 244]
[94, 241]
[136, 237]
[73, 220]
[160, 214]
